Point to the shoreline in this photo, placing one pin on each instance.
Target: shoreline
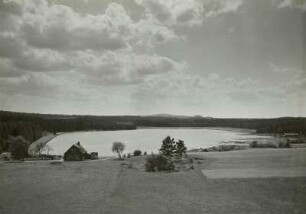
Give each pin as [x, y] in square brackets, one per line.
[244, 139]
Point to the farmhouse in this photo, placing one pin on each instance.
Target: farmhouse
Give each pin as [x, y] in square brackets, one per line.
[76, 153]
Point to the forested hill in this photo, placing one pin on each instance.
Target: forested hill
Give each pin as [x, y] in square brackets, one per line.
[32, 125]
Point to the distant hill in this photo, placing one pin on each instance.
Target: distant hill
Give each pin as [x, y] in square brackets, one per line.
[177, 116]
[167, 115]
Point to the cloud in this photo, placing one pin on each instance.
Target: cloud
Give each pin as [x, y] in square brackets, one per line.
[54, 37]
[43, 85]
[297, 4]
[124, 67]
[7, 69]
[42, 60]
[60, 27]
[283, 70]
[188, 12]
[204, 91]
[30, 84]
[10, 45]
[216, 7]
[172, 12]
[55, 26]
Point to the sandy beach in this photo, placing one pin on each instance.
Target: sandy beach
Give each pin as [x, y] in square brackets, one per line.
[109, 186]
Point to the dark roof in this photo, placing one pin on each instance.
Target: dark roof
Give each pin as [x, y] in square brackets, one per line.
[79, 147]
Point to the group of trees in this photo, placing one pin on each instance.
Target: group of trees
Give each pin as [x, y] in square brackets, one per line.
[170, 152]
[171, 148]
[31, 126]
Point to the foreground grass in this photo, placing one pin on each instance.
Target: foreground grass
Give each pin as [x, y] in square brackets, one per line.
[109, 186]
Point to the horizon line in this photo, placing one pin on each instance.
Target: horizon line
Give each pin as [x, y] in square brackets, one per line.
[165, 115]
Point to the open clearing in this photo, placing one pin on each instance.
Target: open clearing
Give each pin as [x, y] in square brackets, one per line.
[255, 173]
[109, 186]
[257, 163]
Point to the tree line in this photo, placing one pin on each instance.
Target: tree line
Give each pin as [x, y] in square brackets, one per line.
[31, 125]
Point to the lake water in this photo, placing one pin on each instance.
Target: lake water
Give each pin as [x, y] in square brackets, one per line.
[146, 139]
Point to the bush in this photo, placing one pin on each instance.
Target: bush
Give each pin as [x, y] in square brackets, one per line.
[157, 163]
[145, 153]
[284, 144]
[254, 144]
[137, 153]
[18, 147]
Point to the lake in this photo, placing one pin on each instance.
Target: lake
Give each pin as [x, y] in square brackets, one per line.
[147, 139]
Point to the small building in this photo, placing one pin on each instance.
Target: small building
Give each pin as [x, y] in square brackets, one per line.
[76, 153]
[94, 155]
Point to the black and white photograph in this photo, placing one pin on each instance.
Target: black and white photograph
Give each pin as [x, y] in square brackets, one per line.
[152, 106]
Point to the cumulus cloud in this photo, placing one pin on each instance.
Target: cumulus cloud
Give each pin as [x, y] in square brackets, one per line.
[43, 85]
[188, 12]
[7, 69]
[297, 4]
[10, 45]
[43, 60]
[30, 84]
[283, 70]
[49, 49]
[54, 37]
[59, 27]
[216, 7]
[124, 68]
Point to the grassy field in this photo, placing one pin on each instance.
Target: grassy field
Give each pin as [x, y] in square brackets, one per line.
[111, 186]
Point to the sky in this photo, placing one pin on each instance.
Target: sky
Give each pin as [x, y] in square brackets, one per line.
[218, 58]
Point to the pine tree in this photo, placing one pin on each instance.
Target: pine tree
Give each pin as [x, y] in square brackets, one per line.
[180, 149]
[168, 147]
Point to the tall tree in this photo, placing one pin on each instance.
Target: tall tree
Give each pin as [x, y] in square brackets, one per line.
[168, 147]
[180, 150]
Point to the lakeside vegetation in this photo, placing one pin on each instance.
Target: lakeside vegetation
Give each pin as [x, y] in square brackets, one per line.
[31, 126]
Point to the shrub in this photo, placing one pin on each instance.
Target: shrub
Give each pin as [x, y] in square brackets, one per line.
[253, 144]
[189, 161]
[145, 153]
[137, 153]
[284, 144]
[158, 163]
[19, 147]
